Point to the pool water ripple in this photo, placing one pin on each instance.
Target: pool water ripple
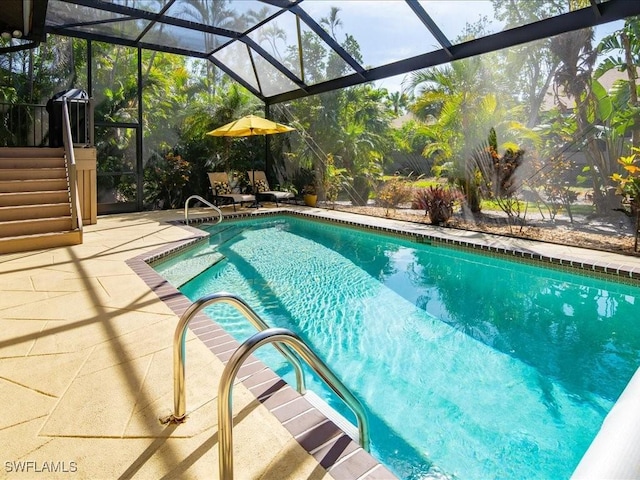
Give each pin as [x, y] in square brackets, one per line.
[477, 367]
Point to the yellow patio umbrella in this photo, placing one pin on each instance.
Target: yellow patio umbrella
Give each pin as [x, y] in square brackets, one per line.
[248, 126]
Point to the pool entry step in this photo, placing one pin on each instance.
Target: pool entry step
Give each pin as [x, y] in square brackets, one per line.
[332, 414]
[179, 270]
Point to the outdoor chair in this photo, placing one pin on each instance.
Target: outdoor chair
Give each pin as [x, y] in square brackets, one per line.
[224, 193]
[260, 185]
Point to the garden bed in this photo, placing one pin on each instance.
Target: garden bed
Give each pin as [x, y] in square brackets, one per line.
[613, 233]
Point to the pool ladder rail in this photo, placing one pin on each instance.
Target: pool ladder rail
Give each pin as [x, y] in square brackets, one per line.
[206, 202]
[285, 341]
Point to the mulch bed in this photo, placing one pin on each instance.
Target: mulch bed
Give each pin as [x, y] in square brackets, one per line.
[611, 234]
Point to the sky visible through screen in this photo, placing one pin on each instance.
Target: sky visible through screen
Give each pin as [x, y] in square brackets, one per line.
[385, 35]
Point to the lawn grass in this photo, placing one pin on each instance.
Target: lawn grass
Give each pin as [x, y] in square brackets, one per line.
[576, 209]
[424, 182]
[492, 206]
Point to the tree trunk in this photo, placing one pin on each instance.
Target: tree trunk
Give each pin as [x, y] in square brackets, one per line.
[361, 191]
[633, 88]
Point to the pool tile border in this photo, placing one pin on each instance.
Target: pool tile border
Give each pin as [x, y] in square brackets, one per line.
[521, 250]
[319, 436]
[441, 236]
[326, 442]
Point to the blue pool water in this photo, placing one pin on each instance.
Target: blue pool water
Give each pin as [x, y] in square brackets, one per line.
[470, 367]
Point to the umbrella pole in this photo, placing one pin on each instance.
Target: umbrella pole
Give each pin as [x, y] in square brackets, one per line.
[255, 203]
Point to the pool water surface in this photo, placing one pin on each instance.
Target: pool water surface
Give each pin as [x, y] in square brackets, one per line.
[470, 366]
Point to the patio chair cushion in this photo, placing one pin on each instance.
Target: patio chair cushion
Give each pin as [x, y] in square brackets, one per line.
[259, 180]
[261, 186]
[221, 188]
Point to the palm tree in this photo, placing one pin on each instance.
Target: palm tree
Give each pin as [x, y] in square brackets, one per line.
[363, 135]
[211, 13]
[332, 21]
[574, 75]
[398, 102]
[458, 110]
[272, 34]
[626, 40]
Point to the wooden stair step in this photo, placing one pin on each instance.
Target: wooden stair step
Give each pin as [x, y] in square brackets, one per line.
[32, 226]
[33, 185]
[33, 198]
[27, 152]
[32, 173]
[34, 162]
[42, 210]
[25, 243]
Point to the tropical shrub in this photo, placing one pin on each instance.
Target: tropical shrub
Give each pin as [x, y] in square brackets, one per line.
[438, 202]
[165, 177]
[628, 185]
[333, 180]
[499, 181]
[551, 178]
[393, 192]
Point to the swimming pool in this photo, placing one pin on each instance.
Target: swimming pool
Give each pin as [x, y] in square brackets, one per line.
[470, 366]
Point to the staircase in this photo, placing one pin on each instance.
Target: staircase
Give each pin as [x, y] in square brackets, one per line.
[35, 208]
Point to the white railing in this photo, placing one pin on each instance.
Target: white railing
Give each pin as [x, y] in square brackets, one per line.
[76, 214]
[209, 204]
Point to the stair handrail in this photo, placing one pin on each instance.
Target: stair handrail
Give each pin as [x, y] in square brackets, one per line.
[67, 140]
[206, 202]
[271, 335]
[179, 348]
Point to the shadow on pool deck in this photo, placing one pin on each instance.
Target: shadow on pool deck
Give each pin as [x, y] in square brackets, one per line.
[86, 371]
[86, 363]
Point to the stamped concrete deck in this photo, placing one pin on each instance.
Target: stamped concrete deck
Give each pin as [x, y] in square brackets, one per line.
[86, 371]
[86, 367]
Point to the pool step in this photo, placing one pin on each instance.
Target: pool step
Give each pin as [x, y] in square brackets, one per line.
[216, 239]
[328, 411]
[181, 269]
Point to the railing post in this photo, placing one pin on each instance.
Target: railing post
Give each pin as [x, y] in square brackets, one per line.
[91, 120]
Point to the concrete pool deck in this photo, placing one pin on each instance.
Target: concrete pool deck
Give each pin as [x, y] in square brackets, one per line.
[86, 366]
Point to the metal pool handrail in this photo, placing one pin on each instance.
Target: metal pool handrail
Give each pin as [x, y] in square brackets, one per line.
[206, 202]
[271, 335]
[179, 351]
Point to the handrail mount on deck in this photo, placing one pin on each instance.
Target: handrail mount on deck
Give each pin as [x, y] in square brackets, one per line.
[179, 391]
[209, 204]
[282, 335]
